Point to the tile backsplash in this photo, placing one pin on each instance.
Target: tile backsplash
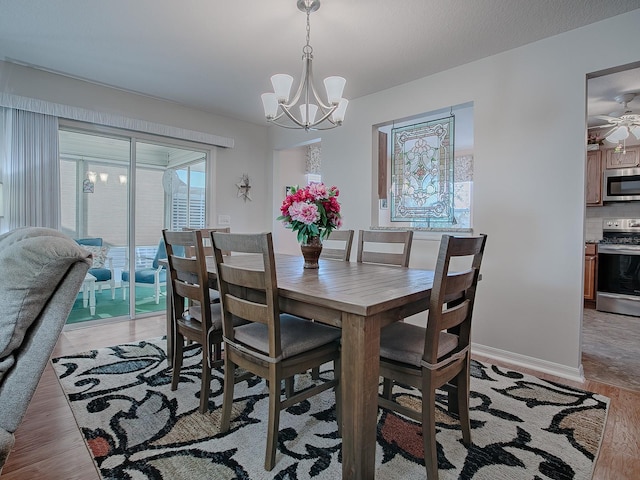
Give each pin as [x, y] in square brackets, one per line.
[595, 215]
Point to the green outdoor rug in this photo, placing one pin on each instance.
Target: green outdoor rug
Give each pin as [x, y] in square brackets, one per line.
[107, 308]
[135, 427]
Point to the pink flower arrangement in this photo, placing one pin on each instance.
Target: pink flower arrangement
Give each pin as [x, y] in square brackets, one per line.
[312, 211]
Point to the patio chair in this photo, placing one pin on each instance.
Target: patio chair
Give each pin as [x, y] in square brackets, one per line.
[102, 266]
[154, 276]
[439, 355]
[381, 247]
[272, 345]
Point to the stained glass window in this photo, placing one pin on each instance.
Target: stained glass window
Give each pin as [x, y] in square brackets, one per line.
[422, 170]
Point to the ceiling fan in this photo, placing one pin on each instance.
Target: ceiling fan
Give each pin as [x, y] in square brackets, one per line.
[621, 126]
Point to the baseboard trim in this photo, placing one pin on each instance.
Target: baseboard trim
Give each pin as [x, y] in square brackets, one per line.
[556, 369]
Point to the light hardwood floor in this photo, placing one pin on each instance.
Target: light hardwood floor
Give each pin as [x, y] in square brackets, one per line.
[49, 445]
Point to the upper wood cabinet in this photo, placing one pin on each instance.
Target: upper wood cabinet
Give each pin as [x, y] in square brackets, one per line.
[594, 178]
[631, 158]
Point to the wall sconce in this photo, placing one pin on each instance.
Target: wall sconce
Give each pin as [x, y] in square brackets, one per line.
[244, 187]
[123, 179]
[1, 200]
[92, 176]
[104, 177]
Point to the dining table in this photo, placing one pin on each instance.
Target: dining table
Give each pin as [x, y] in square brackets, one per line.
[360, 299]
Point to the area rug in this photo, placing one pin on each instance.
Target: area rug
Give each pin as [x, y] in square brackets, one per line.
[137, 428]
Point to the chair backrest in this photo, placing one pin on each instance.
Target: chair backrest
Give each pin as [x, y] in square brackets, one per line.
[188, 275]
[90, 242]
[160, 253]
[246, 292]
[453, 294]
[388, 241]
[206, 239]
[343, 237]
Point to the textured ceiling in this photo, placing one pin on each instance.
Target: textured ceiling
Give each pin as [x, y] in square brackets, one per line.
[218, 55]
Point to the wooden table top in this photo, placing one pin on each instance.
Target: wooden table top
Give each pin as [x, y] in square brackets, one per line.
[359, 288]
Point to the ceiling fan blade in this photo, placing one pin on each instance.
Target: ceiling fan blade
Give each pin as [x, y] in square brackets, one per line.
[608, 118]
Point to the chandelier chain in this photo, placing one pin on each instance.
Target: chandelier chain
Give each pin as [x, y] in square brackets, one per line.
[308, 49]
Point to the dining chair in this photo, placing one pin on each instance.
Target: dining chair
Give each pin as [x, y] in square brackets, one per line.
[206, 237]
[208, 251]
[273, 345]
[194, 316]
[337, 238]
[381, 247]
[439, 355]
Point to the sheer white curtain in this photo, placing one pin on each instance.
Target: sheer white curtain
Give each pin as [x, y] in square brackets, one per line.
[30, 170]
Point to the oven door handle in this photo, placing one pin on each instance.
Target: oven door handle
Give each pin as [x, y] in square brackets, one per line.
[619, 249]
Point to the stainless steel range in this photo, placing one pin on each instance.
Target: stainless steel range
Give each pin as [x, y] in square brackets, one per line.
[618, 287]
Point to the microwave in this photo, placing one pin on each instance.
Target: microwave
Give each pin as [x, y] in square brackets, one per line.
[621, 185]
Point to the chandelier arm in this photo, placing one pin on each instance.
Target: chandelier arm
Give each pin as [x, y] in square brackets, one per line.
[291, 127]
[326, 116]
[321, 104]
[286, 111]
[305, 66]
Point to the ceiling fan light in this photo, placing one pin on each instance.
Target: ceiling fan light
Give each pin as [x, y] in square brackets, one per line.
[636, 131]
[619, 134]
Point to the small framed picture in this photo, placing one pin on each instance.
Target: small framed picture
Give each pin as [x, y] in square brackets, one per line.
[383, 204]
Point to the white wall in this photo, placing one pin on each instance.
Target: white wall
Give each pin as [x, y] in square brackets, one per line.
[290, 168]
[249, 155]
[529, 157]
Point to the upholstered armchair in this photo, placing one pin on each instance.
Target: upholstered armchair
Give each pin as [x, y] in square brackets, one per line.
[102, 266]
[154, 276]
[42, 271]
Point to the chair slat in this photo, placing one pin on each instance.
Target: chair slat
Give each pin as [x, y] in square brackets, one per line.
[246, 309]
[388, 242]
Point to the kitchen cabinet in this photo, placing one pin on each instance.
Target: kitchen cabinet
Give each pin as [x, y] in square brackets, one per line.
[590, 266]
[630, 157]
[594, 178]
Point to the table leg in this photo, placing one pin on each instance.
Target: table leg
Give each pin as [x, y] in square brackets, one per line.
[359, 381]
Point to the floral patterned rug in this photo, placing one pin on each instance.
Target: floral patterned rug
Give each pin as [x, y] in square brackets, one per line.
[137, 428]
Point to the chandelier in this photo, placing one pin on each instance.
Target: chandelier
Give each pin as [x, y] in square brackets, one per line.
[314, 114]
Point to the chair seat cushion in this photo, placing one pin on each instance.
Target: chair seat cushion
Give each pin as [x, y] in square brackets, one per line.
[404, 342]
[297, 335]
[101, 274]
[195, 311]
[146, 275]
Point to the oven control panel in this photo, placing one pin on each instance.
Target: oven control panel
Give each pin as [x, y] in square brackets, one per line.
[621, 224]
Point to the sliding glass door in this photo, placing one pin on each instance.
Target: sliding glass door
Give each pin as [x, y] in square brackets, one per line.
[117, 194]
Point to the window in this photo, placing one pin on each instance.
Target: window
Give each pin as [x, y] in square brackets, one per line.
[425, 170]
